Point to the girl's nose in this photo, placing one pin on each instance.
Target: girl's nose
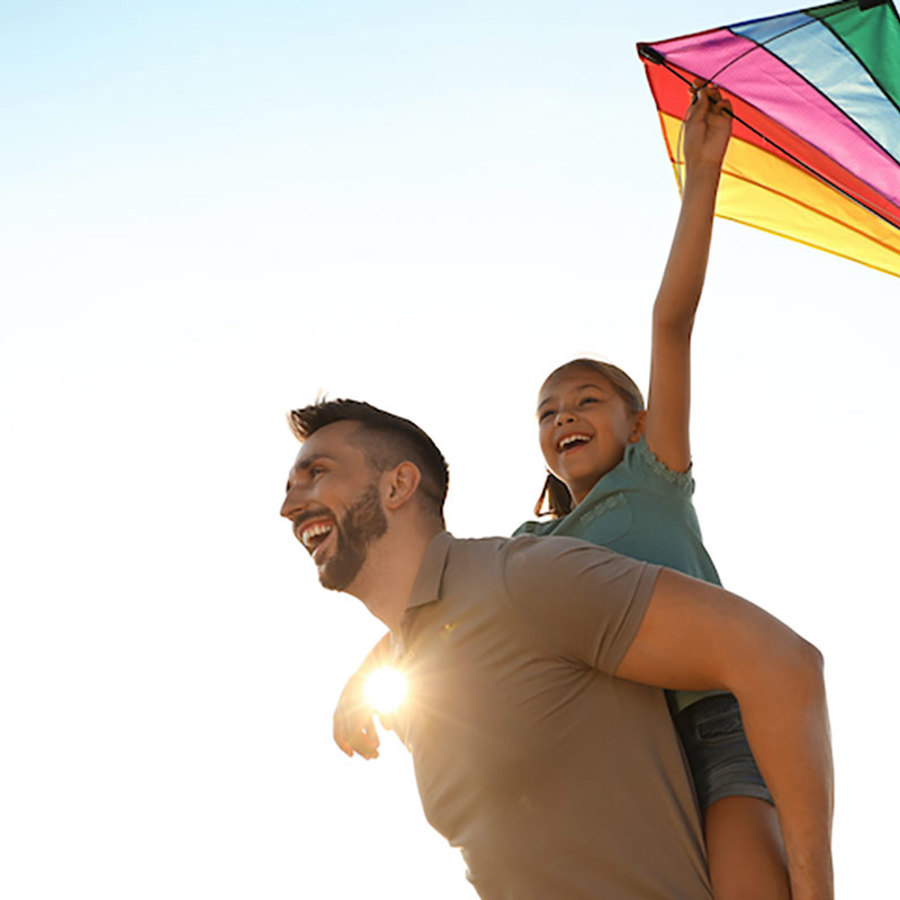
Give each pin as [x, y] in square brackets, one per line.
[564, 416]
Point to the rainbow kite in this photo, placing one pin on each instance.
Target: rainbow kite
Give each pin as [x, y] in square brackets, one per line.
[816, 141]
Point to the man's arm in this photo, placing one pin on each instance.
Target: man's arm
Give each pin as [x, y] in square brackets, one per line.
[353, 721]
[697, 636]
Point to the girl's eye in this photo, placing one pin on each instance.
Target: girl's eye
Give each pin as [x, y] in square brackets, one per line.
[585, 400]
[546, 414]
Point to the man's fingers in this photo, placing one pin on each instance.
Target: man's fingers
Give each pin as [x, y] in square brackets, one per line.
[337, 733]
[361, 737]
[369, 741]
[364, 749]
[355, 732]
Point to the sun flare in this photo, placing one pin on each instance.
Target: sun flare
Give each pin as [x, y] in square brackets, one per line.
[385, 690]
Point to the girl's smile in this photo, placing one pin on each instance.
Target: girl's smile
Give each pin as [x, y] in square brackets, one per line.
[572, 442]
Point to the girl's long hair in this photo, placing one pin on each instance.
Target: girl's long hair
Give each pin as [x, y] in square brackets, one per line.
[556, 499]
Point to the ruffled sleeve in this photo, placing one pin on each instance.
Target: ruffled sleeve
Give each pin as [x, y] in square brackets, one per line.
[641, 458]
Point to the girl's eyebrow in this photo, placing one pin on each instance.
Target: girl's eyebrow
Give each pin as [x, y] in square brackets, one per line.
[594, 385]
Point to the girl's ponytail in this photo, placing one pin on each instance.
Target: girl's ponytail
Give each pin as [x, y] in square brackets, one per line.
[557, 498]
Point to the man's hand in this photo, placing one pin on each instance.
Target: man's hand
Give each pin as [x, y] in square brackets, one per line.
[707, 127]
[354, 724]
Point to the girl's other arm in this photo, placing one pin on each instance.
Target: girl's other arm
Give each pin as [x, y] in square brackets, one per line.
[706, 134]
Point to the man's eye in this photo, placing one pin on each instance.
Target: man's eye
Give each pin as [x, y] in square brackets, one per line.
[315, 471]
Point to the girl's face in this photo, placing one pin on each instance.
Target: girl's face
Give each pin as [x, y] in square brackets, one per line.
[585, 425]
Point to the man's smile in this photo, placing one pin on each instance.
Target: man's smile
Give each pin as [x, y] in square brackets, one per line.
[313, 531]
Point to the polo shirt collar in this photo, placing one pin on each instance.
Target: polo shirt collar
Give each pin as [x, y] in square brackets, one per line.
[427, 586]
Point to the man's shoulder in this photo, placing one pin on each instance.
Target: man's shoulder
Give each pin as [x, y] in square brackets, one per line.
[528, 554]
[522, 542]
[539, 528]
[560, 593]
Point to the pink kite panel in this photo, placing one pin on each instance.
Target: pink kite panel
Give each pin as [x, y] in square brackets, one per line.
[767, 83]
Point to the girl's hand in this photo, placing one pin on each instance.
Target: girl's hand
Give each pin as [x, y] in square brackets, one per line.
[707, 127]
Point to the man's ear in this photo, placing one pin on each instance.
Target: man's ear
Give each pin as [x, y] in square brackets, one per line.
[400, 485]
[637, 428]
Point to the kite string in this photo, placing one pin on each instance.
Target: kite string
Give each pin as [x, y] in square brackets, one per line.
[679, 143]
[679, 146]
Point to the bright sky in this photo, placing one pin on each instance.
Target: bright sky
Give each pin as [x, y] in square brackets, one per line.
[212, 211]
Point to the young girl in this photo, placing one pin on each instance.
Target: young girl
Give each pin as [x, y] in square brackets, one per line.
[619, 477]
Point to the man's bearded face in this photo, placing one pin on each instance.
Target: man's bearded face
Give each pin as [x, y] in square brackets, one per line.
[362, 523]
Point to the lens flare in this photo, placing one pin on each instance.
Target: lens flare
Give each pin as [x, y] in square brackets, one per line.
[385, 690]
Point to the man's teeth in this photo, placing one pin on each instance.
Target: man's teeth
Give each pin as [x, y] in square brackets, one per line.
[311, 535]
[572, 439]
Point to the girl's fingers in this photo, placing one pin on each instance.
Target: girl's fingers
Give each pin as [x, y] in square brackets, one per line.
[722, 107]
[699, 101]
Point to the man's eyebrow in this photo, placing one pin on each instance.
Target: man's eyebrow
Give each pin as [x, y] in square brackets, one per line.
[304, 464]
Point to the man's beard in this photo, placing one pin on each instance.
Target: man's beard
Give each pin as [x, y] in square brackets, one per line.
[363, 523]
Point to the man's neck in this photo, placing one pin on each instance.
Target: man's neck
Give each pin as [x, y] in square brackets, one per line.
[386, 579]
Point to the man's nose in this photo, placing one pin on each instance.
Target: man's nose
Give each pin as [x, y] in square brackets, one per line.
[294, 503]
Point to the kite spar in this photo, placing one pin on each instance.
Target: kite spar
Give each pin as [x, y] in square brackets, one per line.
[815, 149]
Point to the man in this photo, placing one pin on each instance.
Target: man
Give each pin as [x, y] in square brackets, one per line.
[542, 744]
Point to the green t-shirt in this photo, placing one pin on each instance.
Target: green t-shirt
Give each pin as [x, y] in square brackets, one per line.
[640, 509]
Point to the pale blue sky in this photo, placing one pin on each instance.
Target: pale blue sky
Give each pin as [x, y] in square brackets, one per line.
[212, 211]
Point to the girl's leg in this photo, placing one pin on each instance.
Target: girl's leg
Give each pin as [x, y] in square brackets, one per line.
[745, 851]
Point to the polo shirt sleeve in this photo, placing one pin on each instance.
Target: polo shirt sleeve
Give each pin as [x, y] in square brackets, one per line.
[581, 602]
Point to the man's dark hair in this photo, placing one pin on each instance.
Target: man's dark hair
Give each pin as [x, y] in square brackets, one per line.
[386, 440]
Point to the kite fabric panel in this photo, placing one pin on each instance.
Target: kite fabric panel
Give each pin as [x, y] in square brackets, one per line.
[815, 149]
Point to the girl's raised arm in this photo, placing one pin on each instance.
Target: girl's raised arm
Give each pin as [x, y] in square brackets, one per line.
[706, 134]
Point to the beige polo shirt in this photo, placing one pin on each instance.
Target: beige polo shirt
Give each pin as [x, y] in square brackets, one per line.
[557, 780]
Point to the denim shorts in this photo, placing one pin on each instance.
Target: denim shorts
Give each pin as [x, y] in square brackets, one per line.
[721, 763]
